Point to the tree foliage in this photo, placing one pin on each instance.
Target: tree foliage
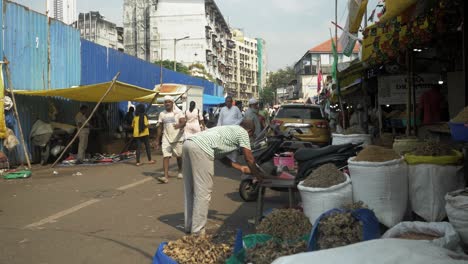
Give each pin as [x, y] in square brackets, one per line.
[267, 95]
[281, 78]
[168, 64]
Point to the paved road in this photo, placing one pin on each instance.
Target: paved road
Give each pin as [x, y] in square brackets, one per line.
[109, 214]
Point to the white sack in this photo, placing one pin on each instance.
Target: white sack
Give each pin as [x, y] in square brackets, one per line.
[383, 186]
[428, 185]
[457, 212]
[317, 201]
[397, 251]
[340, 139]
[449, 238]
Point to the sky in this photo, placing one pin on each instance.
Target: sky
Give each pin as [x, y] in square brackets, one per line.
[289, 27]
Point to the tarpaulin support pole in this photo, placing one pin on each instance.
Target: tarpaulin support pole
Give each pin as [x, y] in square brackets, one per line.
[408, 99]
[114, 80]
[15, 109]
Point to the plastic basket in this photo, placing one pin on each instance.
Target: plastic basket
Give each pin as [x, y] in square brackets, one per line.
[459, 131]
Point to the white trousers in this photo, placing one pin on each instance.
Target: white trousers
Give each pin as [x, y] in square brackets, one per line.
[198, 171]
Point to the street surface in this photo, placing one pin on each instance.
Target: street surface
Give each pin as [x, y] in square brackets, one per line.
[109, 214]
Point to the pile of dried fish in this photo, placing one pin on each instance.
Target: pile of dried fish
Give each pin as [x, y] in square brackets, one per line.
[376, 154]
[271, 250]
[197, 249]
[462, 117]
[432, 148]
[417, 236]
[286, 224]
[324, 176]
[340, 229]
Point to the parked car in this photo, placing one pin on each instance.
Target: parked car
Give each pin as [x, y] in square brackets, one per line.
[308, 118]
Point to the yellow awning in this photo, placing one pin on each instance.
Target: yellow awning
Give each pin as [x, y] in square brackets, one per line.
[93, 93]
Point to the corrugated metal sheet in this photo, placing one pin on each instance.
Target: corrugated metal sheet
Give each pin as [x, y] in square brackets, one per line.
[25, 45]
[65, 59]
[100, 64]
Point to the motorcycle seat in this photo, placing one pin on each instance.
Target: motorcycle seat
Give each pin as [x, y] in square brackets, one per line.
[305, 154]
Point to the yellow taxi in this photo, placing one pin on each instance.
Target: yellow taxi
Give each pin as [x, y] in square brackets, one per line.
[307, 118]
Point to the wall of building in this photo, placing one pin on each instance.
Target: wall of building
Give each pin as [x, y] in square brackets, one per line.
[94, 27]
[66, 12]
[73, 62]
[175, 20]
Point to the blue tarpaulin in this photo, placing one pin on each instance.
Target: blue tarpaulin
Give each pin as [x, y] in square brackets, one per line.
[212, 100]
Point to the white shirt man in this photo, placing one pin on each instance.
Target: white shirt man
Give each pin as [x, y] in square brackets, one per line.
[171, 134]
[230, 114]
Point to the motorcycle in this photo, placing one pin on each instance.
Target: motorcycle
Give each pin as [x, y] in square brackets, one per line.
[264, 150]
[308, 159]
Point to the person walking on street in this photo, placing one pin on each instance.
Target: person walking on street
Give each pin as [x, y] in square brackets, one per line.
[80, 119]
[229, 114]
[141, 133]
[199, 153]
[194, 119]
[128, 121]
[252, 114]
[171, 134]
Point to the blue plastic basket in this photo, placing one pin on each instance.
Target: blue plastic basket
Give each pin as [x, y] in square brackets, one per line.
[459, 131]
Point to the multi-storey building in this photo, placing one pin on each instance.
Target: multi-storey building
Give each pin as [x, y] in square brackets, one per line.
[63, 10]
[186, 31]
[317, 58]
[95, 28]
[243, 82]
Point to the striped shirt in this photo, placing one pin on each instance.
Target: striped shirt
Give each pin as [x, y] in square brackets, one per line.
[218, 142]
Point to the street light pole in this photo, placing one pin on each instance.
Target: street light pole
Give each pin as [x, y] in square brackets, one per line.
[175, 50]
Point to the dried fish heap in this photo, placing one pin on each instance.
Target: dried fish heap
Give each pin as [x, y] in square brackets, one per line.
[462, 117]
[324, 176]
[285, 224]
[271, 250]
[376, 154]
[197, 250]
[340, 228]
[434, 149]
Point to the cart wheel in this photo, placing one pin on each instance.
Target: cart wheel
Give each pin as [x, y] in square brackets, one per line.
[248, 190]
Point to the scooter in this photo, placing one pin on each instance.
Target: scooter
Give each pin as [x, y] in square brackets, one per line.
[308, 159]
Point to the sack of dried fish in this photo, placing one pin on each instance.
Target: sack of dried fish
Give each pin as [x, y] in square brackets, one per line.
[457, 212]
[341, 227]
[336, 191]
[428, 184]
[441, 234]
[383, 186]
[285, 224]
[379, 251]
[340, 139]
[192, 250]
[434, 153]
[266, 253]
[261, 248]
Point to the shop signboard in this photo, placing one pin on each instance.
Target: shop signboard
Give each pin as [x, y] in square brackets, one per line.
[393, 89]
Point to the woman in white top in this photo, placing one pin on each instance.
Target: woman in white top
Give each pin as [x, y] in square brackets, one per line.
[194, 119]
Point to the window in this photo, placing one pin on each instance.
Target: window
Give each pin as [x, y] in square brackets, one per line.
[299, 112]
[325, 59]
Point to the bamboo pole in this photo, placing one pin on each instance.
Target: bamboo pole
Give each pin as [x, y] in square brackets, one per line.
[408, 86]
[20, 128]
[87, 120]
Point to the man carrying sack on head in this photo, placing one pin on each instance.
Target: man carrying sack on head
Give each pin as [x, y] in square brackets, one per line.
[199, 153]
